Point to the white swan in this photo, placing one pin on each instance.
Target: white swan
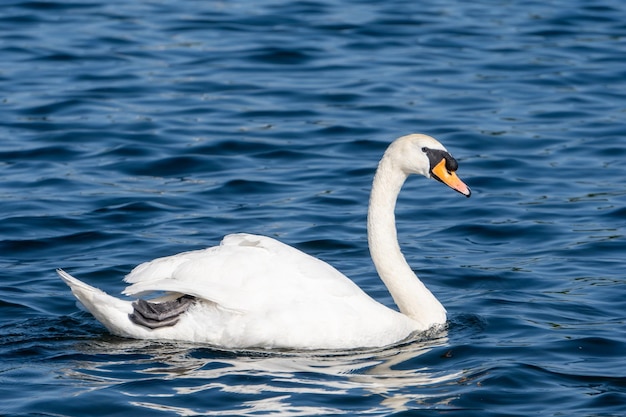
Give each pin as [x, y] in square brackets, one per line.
[253, 291]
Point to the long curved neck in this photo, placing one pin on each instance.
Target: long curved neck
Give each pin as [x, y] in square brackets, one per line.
[409, 293]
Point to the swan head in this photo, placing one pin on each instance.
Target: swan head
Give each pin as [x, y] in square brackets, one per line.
[425, 155]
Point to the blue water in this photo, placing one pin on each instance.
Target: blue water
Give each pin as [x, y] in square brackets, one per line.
[136, 129]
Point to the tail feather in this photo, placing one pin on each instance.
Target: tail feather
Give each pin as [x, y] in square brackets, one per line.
[110, 311]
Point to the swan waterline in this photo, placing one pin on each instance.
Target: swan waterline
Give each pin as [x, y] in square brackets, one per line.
[255, 292]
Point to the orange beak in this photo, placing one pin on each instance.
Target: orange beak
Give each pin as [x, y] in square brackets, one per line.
[450, 178]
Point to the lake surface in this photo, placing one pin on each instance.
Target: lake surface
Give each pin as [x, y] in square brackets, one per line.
[136, 129]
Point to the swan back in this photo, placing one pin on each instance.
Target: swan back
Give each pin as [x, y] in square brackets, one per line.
[266, 293]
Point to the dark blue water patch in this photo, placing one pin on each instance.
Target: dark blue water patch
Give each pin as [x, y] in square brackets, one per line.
[50, 5]
[36, 338]
[28, 248]
[249, 187]
[16, 226]
[283, 56]
[50, 153]
[505, 233]
[319, 246]
[181, 166]
[237, 148]
[135, 212]
[128, 151]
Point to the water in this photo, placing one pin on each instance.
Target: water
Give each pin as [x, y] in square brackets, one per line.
[132, 130]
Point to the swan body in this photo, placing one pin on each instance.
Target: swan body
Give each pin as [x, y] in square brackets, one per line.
[254, 291]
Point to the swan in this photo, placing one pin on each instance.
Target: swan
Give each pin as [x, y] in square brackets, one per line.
[255, 292]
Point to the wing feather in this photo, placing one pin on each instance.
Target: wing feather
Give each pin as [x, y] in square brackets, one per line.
[244, 273]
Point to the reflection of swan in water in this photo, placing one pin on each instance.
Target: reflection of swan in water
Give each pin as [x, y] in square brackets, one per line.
[257, 383]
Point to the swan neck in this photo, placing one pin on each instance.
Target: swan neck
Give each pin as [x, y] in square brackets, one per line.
[381, 219]
[408, 292]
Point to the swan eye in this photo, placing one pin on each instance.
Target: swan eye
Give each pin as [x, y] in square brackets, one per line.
[425, 149]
